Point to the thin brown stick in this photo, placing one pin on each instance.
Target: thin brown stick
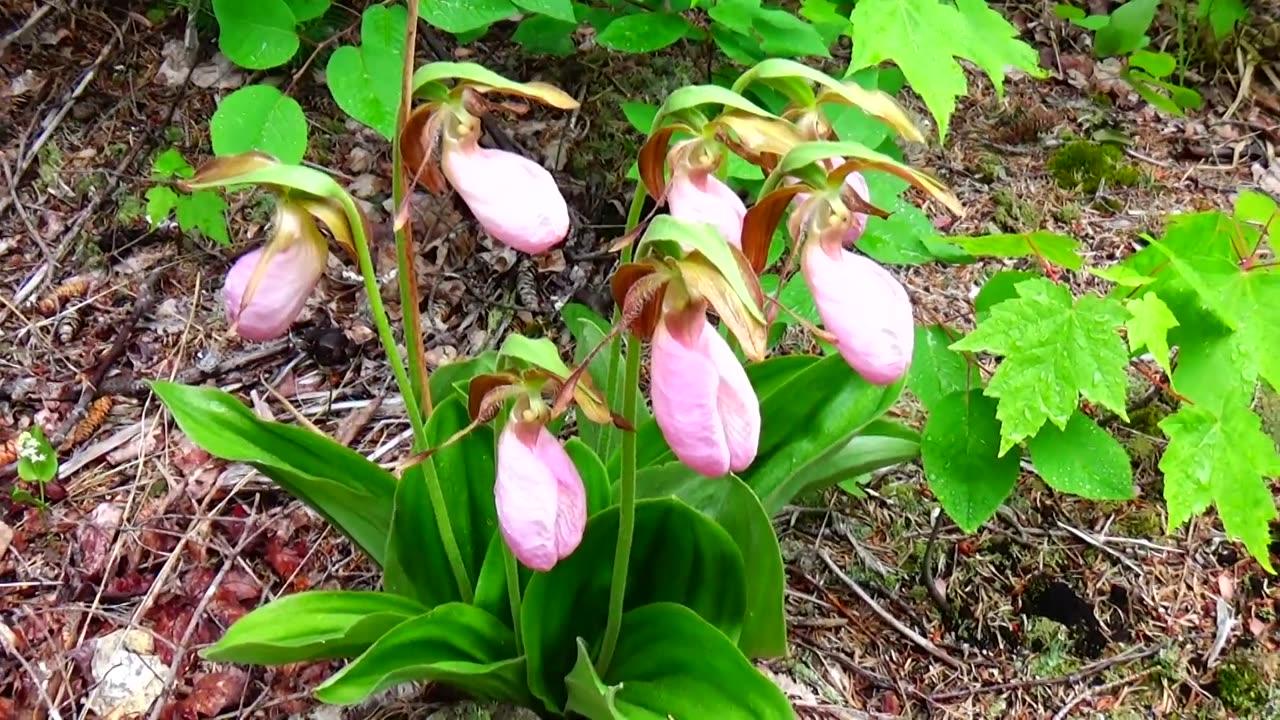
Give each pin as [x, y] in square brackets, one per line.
[198, 615]
[49, 268]
[22, 211]
[30, 155]
[923, 642]
[415, 336]
[926, 570]
[1077, 676]
[288, 90]
[8, 644]
[1108, 687]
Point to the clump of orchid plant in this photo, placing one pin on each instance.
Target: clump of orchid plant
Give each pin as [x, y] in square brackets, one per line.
[527, 564]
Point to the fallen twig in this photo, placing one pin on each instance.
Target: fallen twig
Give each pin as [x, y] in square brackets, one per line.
[198, 614]
[1085, 694]
[131, 386]
[926, 570]
[923, 642]
[80, 87]
[1124, 559]
[22, 211]
[31, 22]
[1088, 671]
[146, 298]
[10, 646]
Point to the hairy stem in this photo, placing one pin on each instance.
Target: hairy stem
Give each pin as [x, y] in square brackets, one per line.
[627, 502]
[416, 420]
[415, 341]
[603, 445]
[382, 320]
[412, 382]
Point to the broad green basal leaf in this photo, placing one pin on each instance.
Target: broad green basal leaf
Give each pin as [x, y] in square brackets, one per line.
[417, 564]
[349, 491]
[881, 444]
[454, 644]
[678, 555]
[312, 625]
[832, 403]
[594, 476]
[735, 508]
[492, 593]
[670, 663]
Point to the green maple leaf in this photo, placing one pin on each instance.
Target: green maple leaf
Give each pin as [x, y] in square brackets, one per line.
[923, 37]
[1251, 300]
[1215, 366]
[1243, 300]
[1221, 456]
[1194, 245]
[1054, 350]
[1149, 327]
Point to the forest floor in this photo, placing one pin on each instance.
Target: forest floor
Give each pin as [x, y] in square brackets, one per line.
[1056, 608]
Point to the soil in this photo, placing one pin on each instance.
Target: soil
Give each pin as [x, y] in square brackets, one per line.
[1056, 608]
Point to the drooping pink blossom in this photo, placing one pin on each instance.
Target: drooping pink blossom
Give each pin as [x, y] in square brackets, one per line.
[296, 258]
[697, 195]
[703, 402]
[542, 504]
[864, 306]
[515, 199]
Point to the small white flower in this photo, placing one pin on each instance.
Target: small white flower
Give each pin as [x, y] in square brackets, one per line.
[29, 448]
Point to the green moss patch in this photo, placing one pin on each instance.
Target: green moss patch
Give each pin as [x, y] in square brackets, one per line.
[1088, 166]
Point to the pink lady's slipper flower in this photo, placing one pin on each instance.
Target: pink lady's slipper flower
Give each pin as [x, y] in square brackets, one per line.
[542, 504]
[702, 400]
[866, 309]
[514, 198]
[697, 195]
[267, 288]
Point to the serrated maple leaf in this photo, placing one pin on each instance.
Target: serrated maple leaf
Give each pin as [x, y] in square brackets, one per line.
[1149, 327]
[1054, 350]
[1221, 456]
[1252, 300]
[923, 37]
[1245, 300]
